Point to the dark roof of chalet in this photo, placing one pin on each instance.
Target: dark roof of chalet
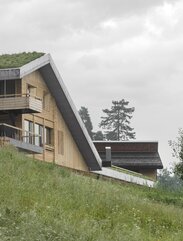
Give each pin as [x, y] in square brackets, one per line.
[136, 154]
[135, 159]
[57, 88]
[18, 60]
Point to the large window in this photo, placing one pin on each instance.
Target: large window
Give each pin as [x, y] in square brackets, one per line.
[7, 87]
[28, 127]
[10, 87]
[34, 134]
[2, 87]
[38, 131]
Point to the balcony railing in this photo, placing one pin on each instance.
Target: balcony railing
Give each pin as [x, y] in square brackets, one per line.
[25, 103]
[26, 140]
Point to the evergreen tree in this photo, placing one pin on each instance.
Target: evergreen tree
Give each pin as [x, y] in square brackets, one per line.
[98, 136]
[117, 121]
[84, 114]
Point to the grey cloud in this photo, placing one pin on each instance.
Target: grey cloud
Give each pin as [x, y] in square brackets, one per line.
[90, 61]
[61, 17]
[122, 7]
[93, 12]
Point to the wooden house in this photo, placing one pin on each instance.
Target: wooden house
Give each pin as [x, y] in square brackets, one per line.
[38, 116]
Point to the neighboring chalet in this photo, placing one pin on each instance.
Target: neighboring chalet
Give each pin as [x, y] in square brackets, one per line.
[38, 116]
[141, 157]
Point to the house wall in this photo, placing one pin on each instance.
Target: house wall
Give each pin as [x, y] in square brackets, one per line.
[64, 150]
[149, 172]
[152, 173]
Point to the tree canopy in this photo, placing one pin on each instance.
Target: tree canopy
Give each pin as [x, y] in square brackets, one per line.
[177, 147]
[167, 181]
[84, 114]
[98, 136]
[117, 121]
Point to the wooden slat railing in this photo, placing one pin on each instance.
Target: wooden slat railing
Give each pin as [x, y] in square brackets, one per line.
[20, 95]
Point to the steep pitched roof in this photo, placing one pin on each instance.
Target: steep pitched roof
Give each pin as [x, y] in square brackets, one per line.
[52, 78]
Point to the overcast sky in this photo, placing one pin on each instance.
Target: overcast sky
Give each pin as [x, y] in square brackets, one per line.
[108, 50]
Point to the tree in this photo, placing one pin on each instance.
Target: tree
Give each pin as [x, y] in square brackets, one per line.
[177, 147]
[84, 114]
[168, 181]
[117, 121]
[98, 136]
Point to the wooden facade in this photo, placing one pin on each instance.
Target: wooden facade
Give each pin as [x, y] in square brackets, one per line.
[62, 148]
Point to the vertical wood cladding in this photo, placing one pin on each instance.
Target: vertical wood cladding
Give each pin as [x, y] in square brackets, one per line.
[64, 150]
[60, 142]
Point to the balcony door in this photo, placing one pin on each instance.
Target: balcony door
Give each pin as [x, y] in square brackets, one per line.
[28, 127]
[2, 87]
[7, 88]
[38, 129]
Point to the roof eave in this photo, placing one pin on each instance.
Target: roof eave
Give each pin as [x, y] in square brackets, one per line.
[8, 74]
[139, 165]
[19, 72]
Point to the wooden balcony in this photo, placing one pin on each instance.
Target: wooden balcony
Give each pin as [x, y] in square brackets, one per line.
[23, 140]
[21, 103]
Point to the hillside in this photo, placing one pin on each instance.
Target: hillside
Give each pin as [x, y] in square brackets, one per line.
[41, 201]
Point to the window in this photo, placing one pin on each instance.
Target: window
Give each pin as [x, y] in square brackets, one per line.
[34, 134]
[28, 127]
[2, 87]
[48, 136]
[10, 87]
[7, 87]
[38, 131]
[60, 142]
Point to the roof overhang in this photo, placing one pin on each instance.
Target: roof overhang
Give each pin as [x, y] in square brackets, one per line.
[128, 154]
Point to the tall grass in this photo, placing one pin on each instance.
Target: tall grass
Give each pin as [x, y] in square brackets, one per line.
[41, 201]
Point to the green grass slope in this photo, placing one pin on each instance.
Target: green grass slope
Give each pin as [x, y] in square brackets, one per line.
[18, 60]
[41, 201]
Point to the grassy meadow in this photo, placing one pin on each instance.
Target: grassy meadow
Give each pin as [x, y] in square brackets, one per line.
[41, 201]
